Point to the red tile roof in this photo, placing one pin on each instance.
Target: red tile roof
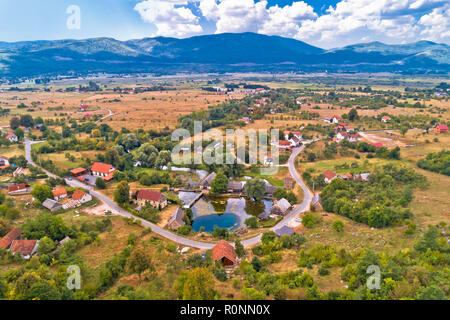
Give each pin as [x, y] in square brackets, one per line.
[149, 195]
[378, 144]
[78, 194]
[329, 174]
[101, 167]
[17, 187]
[14, 234]
[284, 143]
[224, 249]
[59, 192]
[77, 170]
[24, 247]
[442, 127]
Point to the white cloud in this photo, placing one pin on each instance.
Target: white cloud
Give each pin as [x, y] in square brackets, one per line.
[347, 22]
[436, 24]
[170, 17]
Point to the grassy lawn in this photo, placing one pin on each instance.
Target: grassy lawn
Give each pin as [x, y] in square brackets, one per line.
[276, 179]
[11, 151]
[320, 166]
[61, 161]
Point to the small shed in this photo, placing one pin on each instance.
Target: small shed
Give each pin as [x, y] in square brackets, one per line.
[52, 205]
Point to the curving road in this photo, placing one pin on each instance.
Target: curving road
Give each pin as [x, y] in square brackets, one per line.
[172, 236]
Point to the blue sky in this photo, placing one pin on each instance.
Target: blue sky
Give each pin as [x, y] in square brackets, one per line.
[325, 23]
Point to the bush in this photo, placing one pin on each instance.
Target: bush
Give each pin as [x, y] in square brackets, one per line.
[338, 226]
[310, 220]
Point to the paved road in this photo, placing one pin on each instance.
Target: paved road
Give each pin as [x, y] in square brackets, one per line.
[172, 236]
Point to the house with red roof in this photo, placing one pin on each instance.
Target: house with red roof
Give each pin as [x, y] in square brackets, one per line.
[78, 172]
[26, 248]
[377, 144]
[103, 170]
[59, 194]
[7, 240]
[4, 162]
[441, 128]
[84, 107]
[155, 198]
[12, 137]
[385, 119]
[329, 176]
[225, 253]
[18, 188]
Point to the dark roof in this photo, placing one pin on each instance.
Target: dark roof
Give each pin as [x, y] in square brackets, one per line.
[264, 215]
[235, 185]
[208, 179]
[51, 204]
[270, 189]
[177, 216]
[315, 199]
[284, 230]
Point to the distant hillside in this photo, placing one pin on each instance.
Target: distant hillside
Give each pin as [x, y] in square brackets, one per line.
[242, 52]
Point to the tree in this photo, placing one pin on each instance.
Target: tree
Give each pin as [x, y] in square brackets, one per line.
[43, 290]
[27, 121]
[403, 130]
[251, 222]
[219, 183]
[432, 292]
[100, 183]
[198, 285]
[14, 123]
[239, 248]
[19, 133]
[45, 224]
[256, 189]
[338, 226]
[353, 115]
[5, 227]
[138, 262]
[122, 193]
[46, 245]
[42, 192]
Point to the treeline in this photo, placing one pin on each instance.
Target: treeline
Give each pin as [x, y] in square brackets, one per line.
[436, 162]
[380, 202]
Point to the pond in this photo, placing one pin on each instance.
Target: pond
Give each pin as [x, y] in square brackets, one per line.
[229, 213]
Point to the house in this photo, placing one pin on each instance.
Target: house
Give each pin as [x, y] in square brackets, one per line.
[362, 176]
[268, 160]
[155, 198]
[264, 216]
[26, 248]
[59, 194]
[341, 136]
[224, 252]
[385, 119]
[176, 220]
[8, 239]
[84, 107]
[281, 207]
[284, 230]
[329, 176]
[295, 142]
[285, 145]
[4, 162]
[52, 205]
[335, 119]
[12, 137]
[245, 119]
[206, 183]
[81, 196]
[103, 170]
[441, 128]
[291, 134]
[315, 202]
[235, 187]
[18, 188]
[270, 189]
[353, 137]
[288, 183]
[78, 172]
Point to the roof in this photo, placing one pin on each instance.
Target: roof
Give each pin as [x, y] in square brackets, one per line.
[51, 204]
[24, 247]
[177, 216]
[284, 143]
[284, 230]
[264, 215]
[11, 135]
[6, 241]
[17, 187]
[385, 118]
[283, 204]
[208, 179]
[223, 249]
[78, 194]
[101, 167]
[329, 174]
[378, 144]
[77, 170]
[270, 188]
[315, 199]
[59, 192]
[150, 195]
[235, 185]
[442, 127]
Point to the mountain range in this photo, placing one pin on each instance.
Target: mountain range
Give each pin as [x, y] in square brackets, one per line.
[218, 53]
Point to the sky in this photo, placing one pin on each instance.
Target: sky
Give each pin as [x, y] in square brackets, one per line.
[323, 23]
